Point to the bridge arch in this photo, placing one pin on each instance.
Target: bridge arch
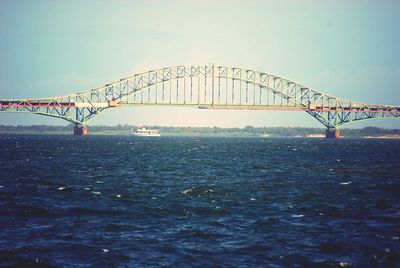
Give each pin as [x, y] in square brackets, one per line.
[205, 86]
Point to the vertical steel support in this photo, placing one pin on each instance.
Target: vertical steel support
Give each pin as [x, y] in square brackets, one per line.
[247, 91]
[198, 90]
[233, 91]
[212, 89]
[191, 89]
[226, 82]
[156, 94]
[240, 92]
[219, 89]
[254, 93]
[205, 89]
[163, 93]
[184, 90]
[177, 90]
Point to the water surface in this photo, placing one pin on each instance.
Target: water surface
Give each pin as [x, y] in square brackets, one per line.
[110, 201]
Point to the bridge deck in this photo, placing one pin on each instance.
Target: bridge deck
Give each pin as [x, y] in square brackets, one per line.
[53, 104]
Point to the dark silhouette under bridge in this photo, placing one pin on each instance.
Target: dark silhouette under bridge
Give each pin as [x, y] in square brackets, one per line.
[207, 87]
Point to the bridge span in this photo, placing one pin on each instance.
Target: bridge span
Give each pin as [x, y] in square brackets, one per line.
[205, 87]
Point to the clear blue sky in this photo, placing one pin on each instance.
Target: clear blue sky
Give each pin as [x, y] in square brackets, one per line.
[346, 48]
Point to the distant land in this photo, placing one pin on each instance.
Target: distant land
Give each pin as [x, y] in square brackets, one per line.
[248, 131]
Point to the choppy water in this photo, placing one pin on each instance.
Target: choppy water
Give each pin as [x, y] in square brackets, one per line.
[110, 201]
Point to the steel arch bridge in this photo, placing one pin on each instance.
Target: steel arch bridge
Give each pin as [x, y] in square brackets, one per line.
[207, 87]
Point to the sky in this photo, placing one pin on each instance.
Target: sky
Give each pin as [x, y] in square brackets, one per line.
[348, 49]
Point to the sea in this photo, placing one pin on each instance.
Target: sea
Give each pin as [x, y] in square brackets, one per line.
[124, 201]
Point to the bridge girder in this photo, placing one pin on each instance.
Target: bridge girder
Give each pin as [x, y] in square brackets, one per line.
[206, 86]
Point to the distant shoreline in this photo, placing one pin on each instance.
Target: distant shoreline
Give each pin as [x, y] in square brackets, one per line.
[383, 137]
[248, 131]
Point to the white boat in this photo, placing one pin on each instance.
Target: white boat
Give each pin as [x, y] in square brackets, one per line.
[143, 132]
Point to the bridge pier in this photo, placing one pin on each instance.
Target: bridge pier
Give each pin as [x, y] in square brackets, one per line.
[80, 130]
[332, 133]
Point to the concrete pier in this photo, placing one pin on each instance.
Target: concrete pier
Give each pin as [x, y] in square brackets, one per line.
[332, 133]
[80, 130]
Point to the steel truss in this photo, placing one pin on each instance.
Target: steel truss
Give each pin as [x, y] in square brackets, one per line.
[206, 86]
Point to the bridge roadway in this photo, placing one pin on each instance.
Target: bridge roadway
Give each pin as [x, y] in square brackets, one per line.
[7, 104]
[206, 87]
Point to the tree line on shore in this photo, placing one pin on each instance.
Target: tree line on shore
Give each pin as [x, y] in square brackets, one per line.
[199, 131]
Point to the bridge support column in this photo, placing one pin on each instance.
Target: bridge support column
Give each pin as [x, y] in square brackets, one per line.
[332, 133]
[80, 130]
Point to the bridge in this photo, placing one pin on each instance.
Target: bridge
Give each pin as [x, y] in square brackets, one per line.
[205, 87]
